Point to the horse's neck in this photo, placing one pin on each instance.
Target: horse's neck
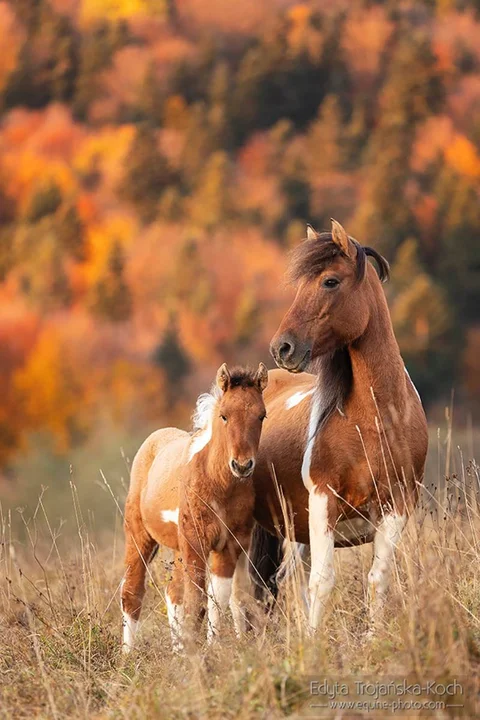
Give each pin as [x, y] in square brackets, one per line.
[377, 366]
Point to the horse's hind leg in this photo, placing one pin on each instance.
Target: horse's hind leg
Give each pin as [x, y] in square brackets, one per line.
[174, 599]
[139, 550]
[385, 542]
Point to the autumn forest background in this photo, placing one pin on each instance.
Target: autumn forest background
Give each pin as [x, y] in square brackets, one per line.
[159, 158]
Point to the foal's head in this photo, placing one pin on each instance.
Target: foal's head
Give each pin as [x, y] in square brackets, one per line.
[337, 289]
[239, 415]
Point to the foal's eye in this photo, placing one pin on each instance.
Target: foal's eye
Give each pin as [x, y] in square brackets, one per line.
[330, 283]
[223, 418]
[262, 417]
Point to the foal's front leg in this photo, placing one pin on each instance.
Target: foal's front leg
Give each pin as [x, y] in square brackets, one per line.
[194, 557]
[321, 506]
[222, 568]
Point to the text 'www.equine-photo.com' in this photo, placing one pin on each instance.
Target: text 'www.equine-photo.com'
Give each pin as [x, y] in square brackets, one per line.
[239, 359]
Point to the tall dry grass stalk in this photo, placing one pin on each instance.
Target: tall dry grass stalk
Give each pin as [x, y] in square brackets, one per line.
[61, 623]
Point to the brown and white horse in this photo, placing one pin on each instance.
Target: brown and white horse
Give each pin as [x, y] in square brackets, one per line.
[194, 494]
[347, 444]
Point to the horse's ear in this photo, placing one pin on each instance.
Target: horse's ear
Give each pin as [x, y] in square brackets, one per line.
[340, 238]
[223, 377]
[261, 377]
[311, 233]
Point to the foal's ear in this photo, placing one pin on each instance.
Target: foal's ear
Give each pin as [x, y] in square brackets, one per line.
[223, 377]
[261, 377]
[311, 233]
[340, 238]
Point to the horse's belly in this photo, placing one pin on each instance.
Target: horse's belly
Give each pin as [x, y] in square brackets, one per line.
[353, 531]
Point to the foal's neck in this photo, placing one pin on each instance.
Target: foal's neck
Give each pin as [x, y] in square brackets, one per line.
[376, 361]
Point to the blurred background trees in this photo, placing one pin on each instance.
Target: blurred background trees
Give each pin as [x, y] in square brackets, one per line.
[159, 159]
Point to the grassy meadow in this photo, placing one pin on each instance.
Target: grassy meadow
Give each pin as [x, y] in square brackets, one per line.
[61, 623]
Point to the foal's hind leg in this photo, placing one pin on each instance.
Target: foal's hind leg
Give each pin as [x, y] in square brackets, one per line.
[139, 550]
[385, 542]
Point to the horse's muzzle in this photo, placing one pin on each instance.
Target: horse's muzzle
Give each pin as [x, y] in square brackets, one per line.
[290, 354]
[242, 470]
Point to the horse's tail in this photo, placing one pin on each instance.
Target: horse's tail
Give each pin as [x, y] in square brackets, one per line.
[266, 557]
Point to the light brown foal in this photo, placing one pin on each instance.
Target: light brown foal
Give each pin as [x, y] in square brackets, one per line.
[194, 494]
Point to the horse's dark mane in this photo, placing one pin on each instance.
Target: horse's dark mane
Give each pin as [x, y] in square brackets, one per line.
[334, 383]
[242, 377]
[311, 257]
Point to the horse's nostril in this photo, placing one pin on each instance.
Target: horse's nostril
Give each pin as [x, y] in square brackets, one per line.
[242, 469]
[285, 350]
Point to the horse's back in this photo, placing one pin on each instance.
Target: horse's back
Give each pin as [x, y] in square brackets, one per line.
[159, 497]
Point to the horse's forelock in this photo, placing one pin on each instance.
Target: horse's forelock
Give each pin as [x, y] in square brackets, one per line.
[312, 256]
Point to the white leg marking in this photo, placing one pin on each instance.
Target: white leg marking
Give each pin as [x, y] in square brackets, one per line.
[219, 592]
[386, 540]
[130, 627]
[242, 589]
[312, 426]
[322, 575]
[170, 516]
[175, 615]
[297, 398]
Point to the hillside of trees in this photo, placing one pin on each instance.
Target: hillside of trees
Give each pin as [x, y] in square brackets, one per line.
[159, 158]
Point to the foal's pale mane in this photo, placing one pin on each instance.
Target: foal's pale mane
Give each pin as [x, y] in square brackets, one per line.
[204, 408]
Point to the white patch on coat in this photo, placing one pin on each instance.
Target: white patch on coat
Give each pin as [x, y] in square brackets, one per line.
[315, 411]
[130, 627]
[416, 391]
[175, 614]
[322, 575]
[386, 540]
[203, 421]
[219, 593]
[297, 398]
[169, 516]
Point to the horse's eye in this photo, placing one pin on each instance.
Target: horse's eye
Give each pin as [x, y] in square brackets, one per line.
[330, 283]
[223, 418]
[262, 417]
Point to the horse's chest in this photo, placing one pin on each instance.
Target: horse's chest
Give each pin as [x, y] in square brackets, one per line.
[222, 532]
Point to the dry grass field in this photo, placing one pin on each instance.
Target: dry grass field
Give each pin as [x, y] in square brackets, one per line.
[61, 626]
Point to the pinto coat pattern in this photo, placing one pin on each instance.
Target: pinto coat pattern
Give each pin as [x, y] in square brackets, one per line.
[347, 444]
[194, 494]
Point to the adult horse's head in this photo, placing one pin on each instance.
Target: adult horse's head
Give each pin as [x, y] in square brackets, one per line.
[334, 300]
[240, 414]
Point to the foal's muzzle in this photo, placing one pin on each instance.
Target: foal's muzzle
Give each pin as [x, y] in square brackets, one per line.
[242, 470]
[289, 353]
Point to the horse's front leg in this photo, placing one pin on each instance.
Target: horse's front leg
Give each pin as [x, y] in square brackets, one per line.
[222, 569]
[194, 558]
[386, 539]
[322, 509]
